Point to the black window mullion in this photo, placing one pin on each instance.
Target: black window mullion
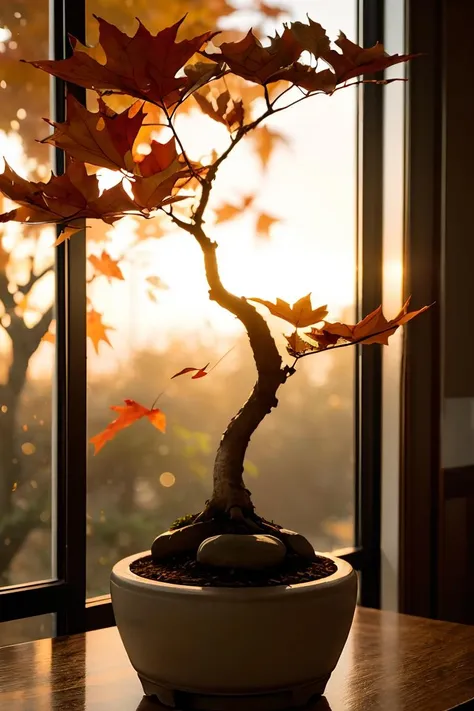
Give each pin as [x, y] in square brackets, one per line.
[71, 408]
[369, 296]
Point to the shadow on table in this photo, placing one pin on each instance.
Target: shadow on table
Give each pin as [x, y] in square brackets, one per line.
[152, 704]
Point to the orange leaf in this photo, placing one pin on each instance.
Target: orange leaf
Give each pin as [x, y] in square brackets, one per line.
[301, 314]
[144, 66]
[264, 223]
[374, 328]
[265, 142]
[65, 233]
[128, 414]
[198, 372]
[227, 211]
[64, 199]
[156, 282]
[106, 266]
[297, 346]
[96, 330]
[49, 337]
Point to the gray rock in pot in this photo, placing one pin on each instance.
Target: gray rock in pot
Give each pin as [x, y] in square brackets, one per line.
[251, 552]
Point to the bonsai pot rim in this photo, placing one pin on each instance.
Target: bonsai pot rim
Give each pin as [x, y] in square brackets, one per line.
[121, 572]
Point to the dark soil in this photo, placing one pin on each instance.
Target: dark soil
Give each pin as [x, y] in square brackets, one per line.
[185, 570]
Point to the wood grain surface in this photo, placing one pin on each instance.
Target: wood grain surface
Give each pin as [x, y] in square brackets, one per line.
[390, 663]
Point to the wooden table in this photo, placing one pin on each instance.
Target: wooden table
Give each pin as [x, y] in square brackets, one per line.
[390, 663]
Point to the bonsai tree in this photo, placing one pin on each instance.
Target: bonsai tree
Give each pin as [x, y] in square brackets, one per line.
[160, 75]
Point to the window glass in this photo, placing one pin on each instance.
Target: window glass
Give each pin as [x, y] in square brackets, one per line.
[298, 236]
[26, 299]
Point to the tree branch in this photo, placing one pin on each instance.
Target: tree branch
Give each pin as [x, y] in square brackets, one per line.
[41, 328]
[26, 288]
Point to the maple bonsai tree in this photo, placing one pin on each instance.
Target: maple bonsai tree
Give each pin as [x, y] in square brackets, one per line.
[160, 74]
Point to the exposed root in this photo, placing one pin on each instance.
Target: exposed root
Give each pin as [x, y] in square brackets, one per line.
[214, 521]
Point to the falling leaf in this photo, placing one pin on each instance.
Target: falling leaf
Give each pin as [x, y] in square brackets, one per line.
[301, 314]
[49, 337]
[157, 283]
[297, 346]
[65, 233]
[227, 211]
[374, 328]
[264, 223]
[128, 414]
[96, 330]
[198, 372]
[144, 66]
[265, 142]
[106, 266]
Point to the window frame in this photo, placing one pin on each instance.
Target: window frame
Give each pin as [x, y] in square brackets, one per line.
[66, 596]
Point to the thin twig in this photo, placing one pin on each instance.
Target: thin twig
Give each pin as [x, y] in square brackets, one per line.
[157, 398]
[267, 97]
[180, 144]
[221, 359]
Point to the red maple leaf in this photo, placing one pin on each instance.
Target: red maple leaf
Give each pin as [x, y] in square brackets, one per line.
[374, 328]
[104, 138]
[144, 66]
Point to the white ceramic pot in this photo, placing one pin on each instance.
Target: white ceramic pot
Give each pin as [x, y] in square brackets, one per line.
[220, 648]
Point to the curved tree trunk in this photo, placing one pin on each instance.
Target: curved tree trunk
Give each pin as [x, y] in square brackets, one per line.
[229, 491]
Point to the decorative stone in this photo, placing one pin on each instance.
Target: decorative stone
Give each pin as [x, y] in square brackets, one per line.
[186, 539]
[250, 551]
[297, 543]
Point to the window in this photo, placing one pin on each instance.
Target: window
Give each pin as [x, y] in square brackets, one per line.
[26, 312]
[161, 320]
